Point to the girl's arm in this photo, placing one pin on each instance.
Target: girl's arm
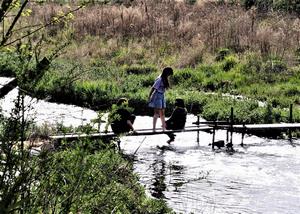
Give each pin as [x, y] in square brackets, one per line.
[150, 94]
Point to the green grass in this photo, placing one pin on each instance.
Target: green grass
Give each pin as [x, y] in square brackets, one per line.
[99, 81]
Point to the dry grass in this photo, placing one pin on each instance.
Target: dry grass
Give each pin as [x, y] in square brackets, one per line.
[208, 23]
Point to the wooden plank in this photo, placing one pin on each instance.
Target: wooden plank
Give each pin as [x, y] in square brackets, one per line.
[282, 126]
[211, 122]
[209, 128]
[76, 136]
[7, 87]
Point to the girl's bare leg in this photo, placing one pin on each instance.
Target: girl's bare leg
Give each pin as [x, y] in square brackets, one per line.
[162, 118]
[155, 116]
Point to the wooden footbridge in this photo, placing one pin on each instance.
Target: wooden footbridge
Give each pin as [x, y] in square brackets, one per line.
[139, 132]
[7, 86]
[205, 126]
[210, 127]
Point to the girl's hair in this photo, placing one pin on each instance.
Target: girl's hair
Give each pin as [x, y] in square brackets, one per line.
[179, 102]
[166, 72]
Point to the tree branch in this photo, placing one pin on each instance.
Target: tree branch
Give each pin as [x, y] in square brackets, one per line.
[44, 26]
[4, 8]
[11, 27]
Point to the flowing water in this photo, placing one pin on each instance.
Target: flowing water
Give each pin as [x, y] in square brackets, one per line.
[261, 177]
[45, 112]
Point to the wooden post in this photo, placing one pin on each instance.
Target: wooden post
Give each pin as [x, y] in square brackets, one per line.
[227, 133]
[198, 132]
[243, 134]
[291, 121]
[213, 139]
[231, 125]
[291, 113]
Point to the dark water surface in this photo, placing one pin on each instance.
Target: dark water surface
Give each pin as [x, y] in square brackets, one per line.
[261, 177]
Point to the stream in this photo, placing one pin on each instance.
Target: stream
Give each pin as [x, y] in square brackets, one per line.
[261, 177]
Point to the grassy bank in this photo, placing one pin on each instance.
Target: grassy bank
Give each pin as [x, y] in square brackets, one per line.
[87, 177]
[97, 85]
[76, 180]
[117, 50]
[83, 176]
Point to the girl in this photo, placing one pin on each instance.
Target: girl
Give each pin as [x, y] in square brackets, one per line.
[157, 98]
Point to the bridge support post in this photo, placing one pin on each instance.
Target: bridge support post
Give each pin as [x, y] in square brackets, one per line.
[198, 132]
[213, 137]
[231, 124]
[243, 134]
[227, 133]
[230, 145]
[291, 121]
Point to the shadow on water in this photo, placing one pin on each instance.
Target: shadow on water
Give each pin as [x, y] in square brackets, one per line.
[159, 173]
[161, 169]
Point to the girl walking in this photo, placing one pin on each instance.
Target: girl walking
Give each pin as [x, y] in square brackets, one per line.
[157, 96]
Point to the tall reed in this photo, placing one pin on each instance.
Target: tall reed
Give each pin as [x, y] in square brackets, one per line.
[213, 24]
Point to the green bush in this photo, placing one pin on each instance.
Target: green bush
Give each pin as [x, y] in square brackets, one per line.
[76, 180]
[297, 55]
[245, 111]
[229, 62]
[266, 5]
[288, 6]
[253, 64]
[191, 2]
[181, 76]
[222, 53]
[188, 78]
[140, 69]
[9, 64]
[275, 66]
[261, 5]
[247, 4]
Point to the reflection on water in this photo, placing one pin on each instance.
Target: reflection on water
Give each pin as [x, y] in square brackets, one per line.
[159, 172]
[262, 177]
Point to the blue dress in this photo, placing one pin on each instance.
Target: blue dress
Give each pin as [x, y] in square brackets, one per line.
[157, 99]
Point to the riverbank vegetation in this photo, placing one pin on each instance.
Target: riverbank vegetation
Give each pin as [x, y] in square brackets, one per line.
[85, 176]
[82, 177]
[118, 49]
[241, 54]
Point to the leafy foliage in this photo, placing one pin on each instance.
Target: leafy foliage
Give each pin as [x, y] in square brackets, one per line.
[265, 5]
[76, 180]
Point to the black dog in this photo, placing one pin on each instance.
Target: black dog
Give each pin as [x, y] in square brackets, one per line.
[219, 144]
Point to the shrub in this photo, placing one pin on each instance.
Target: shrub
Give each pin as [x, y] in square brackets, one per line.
[289, 6]
[147, 80]
[229, 62]
[291, 90]
[85, 180]
[253, 63]
[261, 5]
[9, 64]
[191, 2]
[297, 54]
[275, 66]
[247, 4]
[139, 69]
[181, 76]
[218, 108]
[222, 53]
